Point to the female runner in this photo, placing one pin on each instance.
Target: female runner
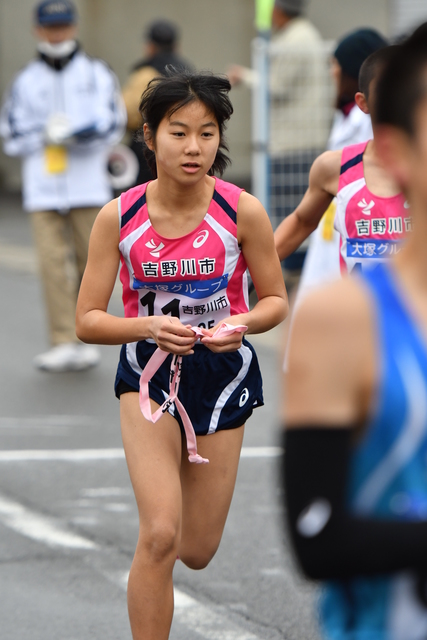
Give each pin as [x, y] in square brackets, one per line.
[184, 241]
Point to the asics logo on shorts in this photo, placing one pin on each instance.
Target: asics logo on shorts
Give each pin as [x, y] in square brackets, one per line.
[201, 239]
[155, 249]
[244, 397]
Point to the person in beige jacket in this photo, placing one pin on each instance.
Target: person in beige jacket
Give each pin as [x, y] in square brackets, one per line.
[301, 104]
[161, 42]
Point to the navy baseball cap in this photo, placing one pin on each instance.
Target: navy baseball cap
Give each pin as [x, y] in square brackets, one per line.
[55, 12]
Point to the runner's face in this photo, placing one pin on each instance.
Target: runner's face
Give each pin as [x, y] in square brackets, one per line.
[186, 143]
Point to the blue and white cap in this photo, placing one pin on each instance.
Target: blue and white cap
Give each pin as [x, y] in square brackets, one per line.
[58, 12]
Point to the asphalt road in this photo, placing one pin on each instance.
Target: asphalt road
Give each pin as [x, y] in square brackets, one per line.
[68, 520]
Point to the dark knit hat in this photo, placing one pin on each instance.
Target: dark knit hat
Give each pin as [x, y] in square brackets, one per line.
[162, 33]
[354, 48]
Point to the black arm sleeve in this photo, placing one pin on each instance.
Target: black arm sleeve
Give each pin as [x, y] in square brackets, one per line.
[329, 542]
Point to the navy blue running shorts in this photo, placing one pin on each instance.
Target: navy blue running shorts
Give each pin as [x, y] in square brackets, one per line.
[218, 390]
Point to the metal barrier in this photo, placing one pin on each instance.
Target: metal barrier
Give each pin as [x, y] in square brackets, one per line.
[292, 111]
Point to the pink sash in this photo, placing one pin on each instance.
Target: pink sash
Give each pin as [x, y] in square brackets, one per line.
[150, 369]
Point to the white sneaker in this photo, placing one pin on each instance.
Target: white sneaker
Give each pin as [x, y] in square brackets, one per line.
[69, 356]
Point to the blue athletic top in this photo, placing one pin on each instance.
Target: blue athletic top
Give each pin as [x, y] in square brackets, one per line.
[388, 475]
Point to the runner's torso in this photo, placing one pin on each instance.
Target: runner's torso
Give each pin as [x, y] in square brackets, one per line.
[370, 226]
[388, 478]
[199, 278]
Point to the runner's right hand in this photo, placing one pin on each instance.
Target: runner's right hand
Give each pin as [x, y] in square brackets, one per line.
[171, 335]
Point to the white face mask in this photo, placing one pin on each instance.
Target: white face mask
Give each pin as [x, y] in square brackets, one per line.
[57, 50]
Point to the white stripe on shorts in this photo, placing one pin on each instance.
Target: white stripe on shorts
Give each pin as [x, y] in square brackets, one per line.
[246, 354]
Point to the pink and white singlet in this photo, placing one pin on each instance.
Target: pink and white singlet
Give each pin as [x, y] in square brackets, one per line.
[199, 278]
[371, 227]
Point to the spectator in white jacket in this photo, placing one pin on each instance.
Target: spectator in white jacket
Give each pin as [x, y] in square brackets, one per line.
[62, 114]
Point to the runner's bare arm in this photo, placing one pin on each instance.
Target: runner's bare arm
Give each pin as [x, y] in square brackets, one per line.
[330, 370]
[255, 236]
[93, 322]
[331, 383]
[323, 186]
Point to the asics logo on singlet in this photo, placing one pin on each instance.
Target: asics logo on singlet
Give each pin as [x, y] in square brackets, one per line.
[406, 205]
[244, 397]
[155, 249]
[366, 208]
[201, 239]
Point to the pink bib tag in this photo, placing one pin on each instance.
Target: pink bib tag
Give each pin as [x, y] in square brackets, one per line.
[150, 369]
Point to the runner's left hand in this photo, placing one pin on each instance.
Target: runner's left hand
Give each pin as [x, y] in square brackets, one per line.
[224, 343]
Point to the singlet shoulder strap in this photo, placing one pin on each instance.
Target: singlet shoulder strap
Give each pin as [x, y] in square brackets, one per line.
[226, 196]
[352, 164]
[131, 202]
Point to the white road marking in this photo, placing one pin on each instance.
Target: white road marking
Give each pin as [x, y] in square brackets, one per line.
[117, 507]
[91, 455]
[35, 422]
[207, 622]
[261, 452]
[199, 618]
[65, 455]
[106, 492]
[40, 528]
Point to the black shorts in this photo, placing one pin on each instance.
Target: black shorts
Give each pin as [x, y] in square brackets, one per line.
[218, 390]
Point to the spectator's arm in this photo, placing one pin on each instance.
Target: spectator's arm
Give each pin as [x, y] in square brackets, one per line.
[242, 75]
[21, 130]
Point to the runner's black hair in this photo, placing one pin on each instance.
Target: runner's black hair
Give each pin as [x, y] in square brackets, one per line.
[373, 66]
[165, 95]
[403, 83]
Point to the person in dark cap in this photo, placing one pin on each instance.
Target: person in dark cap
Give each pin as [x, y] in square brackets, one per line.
[62, 114]
[365, 215]
[161, 40]
[162, 33]
[350, 126]
[349, 55]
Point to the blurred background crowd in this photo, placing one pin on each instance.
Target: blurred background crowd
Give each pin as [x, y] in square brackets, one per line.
[212, 36]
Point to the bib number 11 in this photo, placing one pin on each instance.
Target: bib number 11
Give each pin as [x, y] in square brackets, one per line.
[171, 308]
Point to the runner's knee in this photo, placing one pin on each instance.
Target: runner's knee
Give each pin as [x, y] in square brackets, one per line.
[159, 540]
